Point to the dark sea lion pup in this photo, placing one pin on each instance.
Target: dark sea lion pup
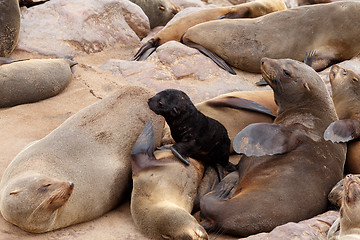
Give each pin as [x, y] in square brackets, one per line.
[195, 134]
[269, 188]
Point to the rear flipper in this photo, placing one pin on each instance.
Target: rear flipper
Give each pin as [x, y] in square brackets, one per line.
[4, 60]
[146, 50]
[343, 130]
[218, 60]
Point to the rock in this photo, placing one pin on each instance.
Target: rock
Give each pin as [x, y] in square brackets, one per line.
[175, 65]
[311, 229]
[64, 27]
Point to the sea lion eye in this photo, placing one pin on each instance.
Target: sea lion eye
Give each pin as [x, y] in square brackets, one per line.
[162, 8]
[43, 187]
[15, 192]
[286, 73]
[160, 103]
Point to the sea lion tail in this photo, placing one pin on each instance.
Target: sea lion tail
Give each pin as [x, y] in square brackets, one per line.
[146, 50]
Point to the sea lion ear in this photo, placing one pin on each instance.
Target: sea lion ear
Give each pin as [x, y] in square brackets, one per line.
[309, 57]
[306, 85]
[260, 139]
[343, 130]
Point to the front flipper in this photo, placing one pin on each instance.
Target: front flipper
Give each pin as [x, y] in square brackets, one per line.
[145, 51]
[218, 60]
[343, 130]
[179, 156]
[241, 13]
[4, 60]
[309, 57]
[240, 103]
[260, 139]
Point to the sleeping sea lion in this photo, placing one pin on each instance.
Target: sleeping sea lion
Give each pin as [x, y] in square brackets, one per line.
[82, 169]
[163, 192]
[9, 26]
[269, 188]
[175, 29]
[159, 12]
[347, 226]
[195, 134]
[27, 81]
[345, 89]
[283, 34]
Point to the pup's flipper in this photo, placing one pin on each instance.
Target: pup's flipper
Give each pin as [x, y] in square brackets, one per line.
[260, 139]
[218, 60]
[4, 60]
[179, 156]
[240, 103]
[343, 130]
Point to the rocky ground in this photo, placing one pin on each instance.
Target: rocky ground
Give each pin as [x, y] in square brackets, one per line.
[102, 35]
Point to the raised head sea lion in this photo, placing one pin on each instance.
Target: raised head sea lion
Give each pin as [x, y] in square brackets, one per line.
[159, 12]
[195, 134]
[9, 26]
[268, 189]
[27, 81]
[345, 89]
[80, 170]
[163, 192]
[175, 29]
[283, 34]
[347, 227]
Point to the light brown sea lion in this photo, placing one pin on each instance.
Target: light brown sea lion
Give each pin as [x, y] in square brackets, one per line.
[159, 12]
[347, 227]
[9, 26]
[91, 150]
[33, 80]
[175, 29]
[163, 192]
[268, 189]
[345, 89]
[283, 34]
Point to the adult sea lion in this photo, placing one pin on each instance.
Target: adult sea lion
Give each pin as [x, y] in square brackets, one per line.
[163, 192]
[195, 134]
[175, 29]
[159, 12]
[347, 227]
[345, 89]
[9, 26]
[27, 81]
[268, 189]
[79, 171]
[283, 34]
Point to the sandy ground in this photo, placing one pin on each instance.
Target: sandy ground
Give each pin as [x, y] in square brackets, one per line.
[23, 124]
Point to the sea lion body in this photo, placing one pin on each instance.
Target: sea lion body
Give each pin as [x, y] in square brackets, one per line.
[176, 28]
[347, 227]
[268, 189]
[33, 80]
[163, 192]
[9, 26]
[91, 150]
[159, 12]
[345, 89]
[283, 34]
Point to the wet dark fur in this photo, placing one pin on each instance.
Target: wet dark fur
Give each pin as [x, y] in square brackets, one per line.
[195, 134]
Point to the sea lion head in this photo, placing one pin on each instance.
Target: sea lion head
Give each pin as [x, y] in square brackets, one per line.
[350, 206]
[345, 87]
[294, 84]
[33, 201]
[171, 104]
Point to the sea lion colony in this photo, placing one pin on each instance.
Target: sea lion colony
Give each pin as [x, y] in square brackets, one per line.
[39, 192]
